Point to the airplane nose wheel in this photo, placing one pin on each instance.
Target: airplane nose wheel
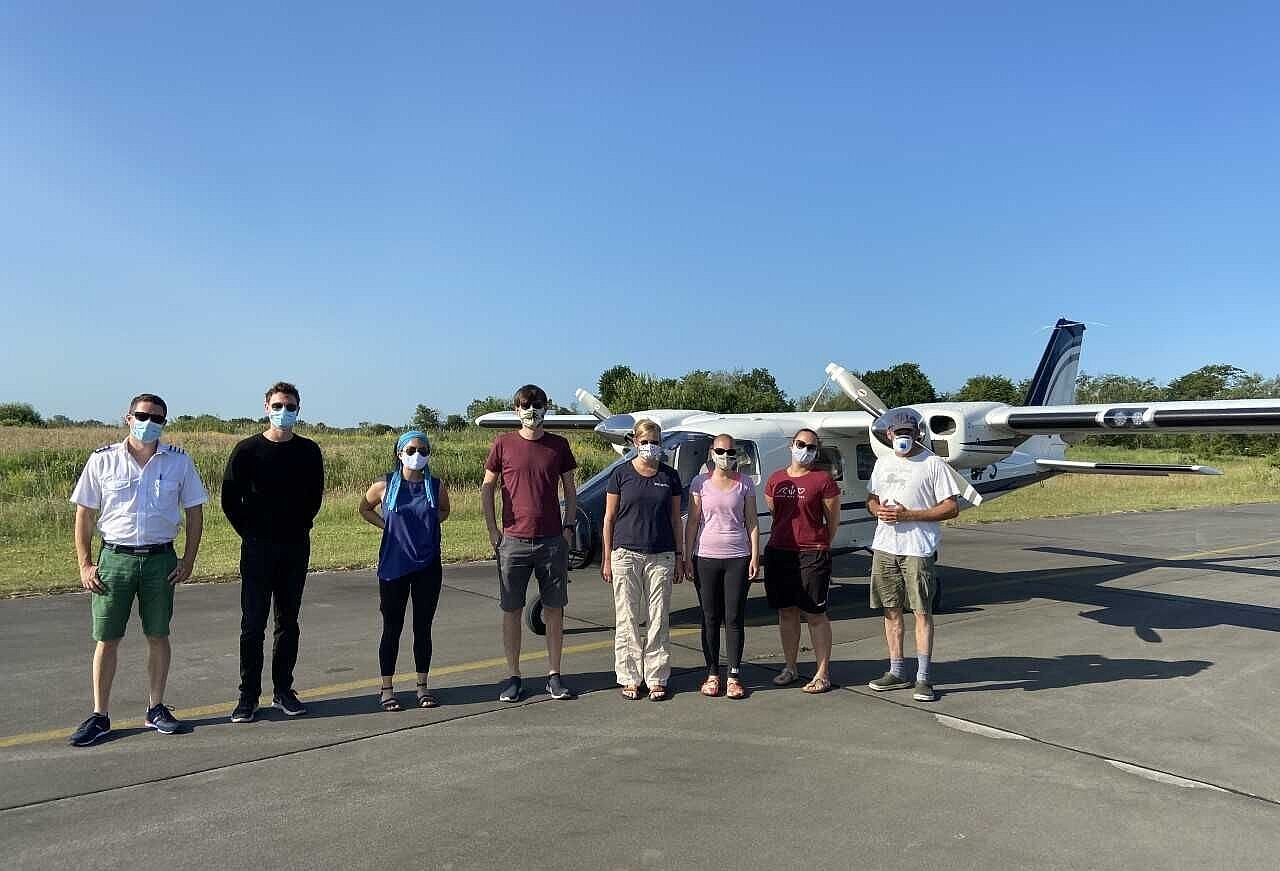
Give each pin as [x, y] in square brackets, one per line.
[533, 617]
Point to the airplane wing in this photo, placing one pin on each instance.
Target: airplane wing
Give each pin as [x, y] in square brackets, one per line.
[1226, 415]
[1084, 467]
[508, 420]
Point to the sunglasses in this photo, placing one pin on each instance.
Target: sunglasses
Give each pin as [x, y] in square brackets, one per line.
[143, 417]
[804, 446]
[287, 406]
[537, 403]
[648, 442]
[414, 449]
[724, 452]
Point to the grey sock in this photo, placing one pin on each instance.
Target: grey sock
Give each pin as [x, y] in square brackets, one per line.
[896, 667]
[922, 667]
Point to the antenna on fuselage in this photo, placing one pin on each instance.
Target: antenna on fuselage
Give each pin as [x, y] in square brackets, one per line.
[818, 396]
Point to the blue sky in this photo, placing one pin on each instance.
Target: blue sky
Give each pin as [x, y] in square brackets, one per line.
[424, 205]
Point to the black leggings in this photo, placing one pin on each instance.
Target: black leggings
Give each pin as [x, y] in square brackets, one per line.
[424, 587]
[722, 590]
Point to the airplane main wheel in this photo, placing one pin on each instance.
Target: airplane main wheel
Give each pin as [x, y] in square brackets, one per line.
[533, 617]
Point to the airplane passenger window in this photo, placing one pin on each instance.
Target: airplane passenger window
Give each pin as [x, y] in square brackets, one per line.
[830, 461]
[866, 461]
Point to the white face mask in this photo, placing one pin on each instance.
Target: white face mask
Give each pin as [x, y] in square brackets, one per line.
[803, 456]
[416, 462]
[531, 417]
[653, 453]
[724, 461]
[902, 444]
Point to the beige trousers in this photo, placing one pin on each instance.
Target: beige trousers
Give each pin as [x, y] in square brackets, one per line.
[642, 591]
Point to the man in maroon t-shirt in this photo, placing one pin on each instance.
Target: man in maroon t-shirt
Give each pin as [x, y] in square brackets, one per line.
[805, 503]
[532, 465]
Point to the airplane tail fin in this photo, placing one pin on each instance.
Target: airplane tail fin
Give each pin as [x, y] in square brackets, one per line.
[1055, 379]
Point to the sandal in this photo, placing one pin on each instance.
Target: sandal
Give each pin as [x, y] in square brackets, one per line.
[425, 699]
[736, 689]
[631, 692]
[390, 702]
[711, 686]
[657, 693]
[785, 678]
[817, 685]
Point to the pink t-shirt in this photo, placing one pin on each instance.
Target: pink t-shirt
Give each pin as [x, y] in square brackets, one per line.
[723, 534]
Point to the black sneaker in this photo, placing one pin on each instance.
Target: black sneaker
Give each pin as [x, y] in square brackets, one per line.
[94, 729]
[556, 688]
[511, 692]
[924, 692]
[889, 681]
[246, 710]
[161, 718]
[287, 701]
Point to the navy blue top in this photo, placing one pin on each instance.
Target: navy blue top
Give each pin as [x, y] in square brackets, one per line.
[411, 533]
[643, 521]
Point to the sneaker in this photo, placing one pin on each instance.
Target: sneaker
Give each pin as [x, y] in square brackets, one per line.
[556, 688]
[511, 692]
[161, 718]
[97, 727]
[245, 711]
[924, 692]
[287, 701]
[889, 681]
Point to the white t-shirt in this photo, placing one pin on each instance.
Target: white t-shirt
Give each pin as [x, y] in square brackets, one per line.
[917, 482]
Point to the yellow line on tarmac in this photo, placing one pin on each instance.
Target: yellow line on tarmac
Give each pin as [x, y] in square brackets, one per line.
[1223, 550]
[330, 689]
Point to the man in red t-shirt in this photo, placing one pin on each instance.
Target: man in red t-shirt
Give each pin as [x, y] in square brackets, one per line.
[532, 466]
[805, 503]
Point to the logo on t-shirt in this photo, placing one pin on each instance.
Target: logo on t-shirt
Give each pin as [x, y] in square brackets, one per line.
[788, 490]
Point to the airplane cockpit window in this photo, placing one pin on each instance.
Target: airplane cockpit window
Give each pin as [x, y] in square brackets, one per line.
[830, 461]
[866, 462]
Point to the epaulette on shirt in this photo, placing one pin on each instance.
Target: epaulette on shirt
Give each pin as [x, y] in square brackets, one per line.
[106, 447]
[173, 449]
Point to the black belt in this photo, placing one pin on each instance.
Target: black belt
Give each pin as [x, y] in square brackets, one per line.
[138, 550]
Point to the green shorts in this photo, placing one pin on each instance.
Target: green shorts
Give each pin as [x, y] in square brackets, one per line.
[126, 576]
[896, 580]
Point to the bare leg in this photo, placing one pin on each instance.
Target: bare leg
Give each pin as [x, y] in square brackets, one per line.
[104, 672]
[924, 634]
[893, 631]
[511, 639]
[820, 637]
[554, 619]
[158, 655]
[789, 630]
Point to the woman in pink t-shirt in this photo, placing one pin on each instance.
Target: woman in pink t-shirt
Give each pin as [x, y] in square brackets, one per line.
[723, 545]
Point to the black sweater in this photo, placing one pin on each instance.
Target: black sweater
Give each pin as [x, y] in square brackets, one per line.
[273, 489]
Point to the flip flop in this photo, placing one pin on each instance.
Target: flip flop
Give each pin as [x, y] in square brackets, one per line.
[817, 685]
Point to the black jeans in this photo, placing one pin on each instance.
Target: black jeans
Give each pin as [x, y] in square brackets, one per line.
[424, 587]
[270, 569]
[722, 591]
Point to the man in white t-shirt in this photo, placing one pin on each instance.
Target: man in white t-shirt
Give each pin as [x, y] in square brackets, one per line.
[911, 493]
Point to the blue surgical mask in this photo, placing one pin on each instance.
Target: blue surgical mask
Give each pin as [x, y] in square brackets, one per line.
[283, 419]
[145, 431]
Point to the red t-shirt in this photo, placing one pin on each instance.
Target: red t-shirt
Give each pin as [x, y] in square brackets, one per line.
[799, 517]
[529, 472]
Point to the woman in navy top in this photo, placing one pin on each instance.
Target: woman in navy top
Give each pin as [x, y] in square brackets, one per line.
[413, 504]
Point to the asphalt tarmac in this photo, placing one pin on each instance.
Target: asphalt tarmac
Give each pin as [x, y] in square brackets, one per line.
[1109, 698]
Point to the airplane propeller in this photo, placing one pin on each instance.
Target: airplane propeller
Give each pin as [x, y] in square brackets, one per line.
[592, 404]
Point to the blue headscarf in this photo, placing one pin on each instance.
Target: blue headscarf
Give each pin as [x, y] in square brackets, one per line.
[393, 486]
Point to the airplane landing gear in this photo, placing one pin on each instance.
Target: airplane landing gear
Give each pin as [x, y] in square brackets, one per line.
[533, 617]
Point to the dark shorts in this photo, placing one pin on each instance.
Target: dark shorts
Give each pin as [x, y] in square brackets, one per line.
[547, 558]
[797, 579]
[128, 577]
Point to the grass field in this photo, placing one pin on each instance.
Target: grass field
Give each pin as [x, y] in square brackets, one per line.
[38, 468]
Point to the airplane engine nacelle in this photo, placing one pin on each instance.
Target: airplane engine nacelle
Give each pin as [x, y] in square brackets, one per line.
[958, 433]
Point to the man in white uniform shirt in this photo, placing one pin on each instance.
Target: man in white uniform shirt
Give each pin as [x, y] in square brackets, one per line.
[140, 490]
[910, 493]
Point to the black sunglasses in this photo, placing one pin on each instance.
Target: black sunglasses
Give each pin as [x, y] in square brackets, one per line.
[288, 406]
[143, 417]
[804, 446]
[725, 452]
[648, 442]
[537, 403]
[414, 449]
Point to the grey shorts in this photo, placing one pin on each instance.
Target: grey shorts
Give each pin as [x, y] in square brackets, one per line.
[899, 581]
[518, 558]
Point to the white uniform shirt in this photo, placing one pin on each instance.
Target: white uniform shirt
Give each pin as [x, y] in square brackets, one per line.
[139, 505]
[917, 482]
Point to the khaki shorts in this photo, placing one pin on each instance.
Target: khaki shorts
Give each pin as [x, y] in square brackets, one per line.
[898, 579]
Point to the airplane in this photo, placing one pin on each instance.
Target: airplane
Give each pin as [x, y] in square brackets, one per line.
[992, 448]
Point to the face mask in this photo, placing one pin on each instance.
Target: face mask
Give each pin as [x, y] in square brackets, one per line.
[145, 431]
[724, 461]
[803, 456]
[532, 417]
[902, 444]
[417, 462]
[283, 419]
[649, 452]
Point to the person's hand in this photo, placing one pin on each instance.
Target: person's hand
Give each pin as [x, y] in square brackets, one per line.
[495, 538]
[890, 513]
[568, 537]
[753, 569]
[181, 572]
[89, 579]
[677, 576]
[606, 569]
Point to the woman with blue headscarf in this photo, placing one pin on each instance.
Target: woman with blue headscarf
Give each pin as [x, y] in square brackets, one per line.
[413, 504]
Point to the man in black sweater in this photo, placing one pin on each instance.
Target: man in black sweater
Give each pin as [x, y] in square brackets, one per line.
[271, 492]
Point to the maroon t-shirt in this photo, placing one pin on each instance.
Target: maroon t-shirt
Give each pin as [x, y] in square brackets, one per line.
[529, 472]
[799, 517]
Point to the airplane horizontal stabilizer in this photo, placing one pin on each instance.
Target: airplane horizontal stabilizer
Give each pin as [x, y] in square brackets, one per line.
[508, 420]
[1085, 467]
[1224, 416]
